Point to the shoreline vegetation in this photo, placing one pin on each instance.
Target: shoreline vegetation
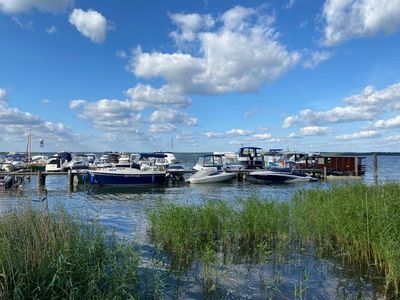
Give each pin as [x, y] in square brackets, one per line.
[56, 256]
[49, 255]
[358, 223]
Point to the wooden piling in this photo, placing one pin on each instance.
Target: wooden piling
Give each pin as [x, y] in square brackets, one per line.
[325, 173]
[375, 166]
[356, 166]
[70, 179]
[41, 179]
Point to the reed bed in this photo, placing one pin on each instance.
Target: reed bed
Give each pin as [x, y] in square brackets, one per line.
[246, 231]
[361, 222]
[55, 256]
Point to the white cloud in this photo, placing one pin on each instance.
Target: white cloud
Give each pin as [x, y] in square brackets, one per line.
[143, 96]
[234, 132]
[45, 101]
[238, 56]
[390, 123]
[263, 136]
[90, 23]
[162, 128]
[314, 130]
[76, 103]
[51, 30]
[315, 58]
[364, 106]
[189, 26]
[169, 115]
[3, 94]
[347, 19]
[365, 134]
[394, 137]
[110, 115]
[15, 123]
[17, 6]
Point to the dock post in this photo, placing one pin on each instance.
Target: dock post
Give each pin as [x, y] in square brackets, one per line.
[375, 166]
[356, 166]
[325, 173]
[70, 179]
[41, 179]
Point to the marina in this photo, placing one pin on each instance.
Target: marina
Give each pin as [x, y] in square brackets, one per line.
[124, 210]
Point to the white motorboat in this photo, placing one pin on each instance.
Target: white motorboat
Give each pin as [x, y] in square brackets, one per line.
[59, 162]
[79, 162]
[213, 161]
[230, 161]
[210, 175]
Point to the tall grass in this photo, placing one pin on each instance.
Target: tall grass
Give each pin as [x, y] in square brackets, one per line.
[247, 231]
[361, 222]
[55, 256]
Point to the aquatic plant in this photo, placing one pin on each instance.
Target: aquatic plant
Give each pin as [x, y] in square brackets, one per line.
[247, 231]
[361, 222]
[54, 255]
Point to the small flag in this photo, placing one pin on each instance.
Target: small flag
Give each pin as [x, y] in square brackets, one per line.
[41, 143]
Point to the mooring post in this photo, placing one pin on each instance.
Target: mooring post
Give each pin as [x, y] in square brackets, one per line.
[41, 179]
[375, 166]
[325, 173]
[356, 166]
[70, 179]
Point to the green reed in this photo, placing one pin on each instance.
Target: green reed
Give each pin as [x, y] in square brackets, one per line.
[247, 230]
[55, 256]
[361, 222]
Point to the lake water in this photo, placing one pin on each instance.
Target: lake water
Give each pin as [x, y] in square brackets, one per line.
[124, 210]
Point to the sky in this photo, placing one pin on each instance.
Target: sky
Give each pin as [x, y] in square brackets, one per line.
[191, 76]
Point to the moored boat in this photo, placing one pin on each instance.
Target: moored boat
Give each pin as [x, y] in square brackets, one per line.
[128, 177]
[210, 175]
[278, 176]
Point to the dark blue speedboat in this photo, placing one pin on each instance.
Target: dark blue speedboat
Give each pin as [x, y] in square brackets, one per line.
[128, 176]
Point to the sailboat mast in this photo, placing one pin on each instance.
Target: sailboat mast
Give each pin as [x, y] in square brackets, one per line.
[28, 146]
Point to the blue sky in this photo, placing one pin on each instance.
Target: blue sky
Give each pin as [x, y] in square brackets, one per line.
[211, 75]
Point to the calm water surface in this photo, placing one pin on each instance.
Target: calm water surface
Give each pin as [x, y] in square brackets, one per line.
[124, 210]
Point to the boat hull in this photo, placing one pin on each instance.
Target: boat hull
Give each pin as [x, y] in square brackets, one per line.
[126, 179]
[276, 177]
[221, 177]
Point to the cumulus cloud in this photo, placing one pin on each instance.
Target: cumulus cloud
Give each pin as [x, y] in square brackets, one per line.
[189, 26]
[263, 136]
[234, 132]
[347, 19]
[314, 130]
[3, 94]
[314, 58]
[76, 103]
[14, 124]
[52, 6]
[90, 23]
[239, 55]
[162, 128]
[169, 115]
[143, 96]
[108, 114]
[390, 123]
[122, 116]
[365, 134]
[394, 137]
[364, 106]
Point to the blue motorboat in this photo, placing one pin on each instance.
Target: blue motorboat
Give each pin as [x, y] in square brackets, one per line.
[128, 176]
